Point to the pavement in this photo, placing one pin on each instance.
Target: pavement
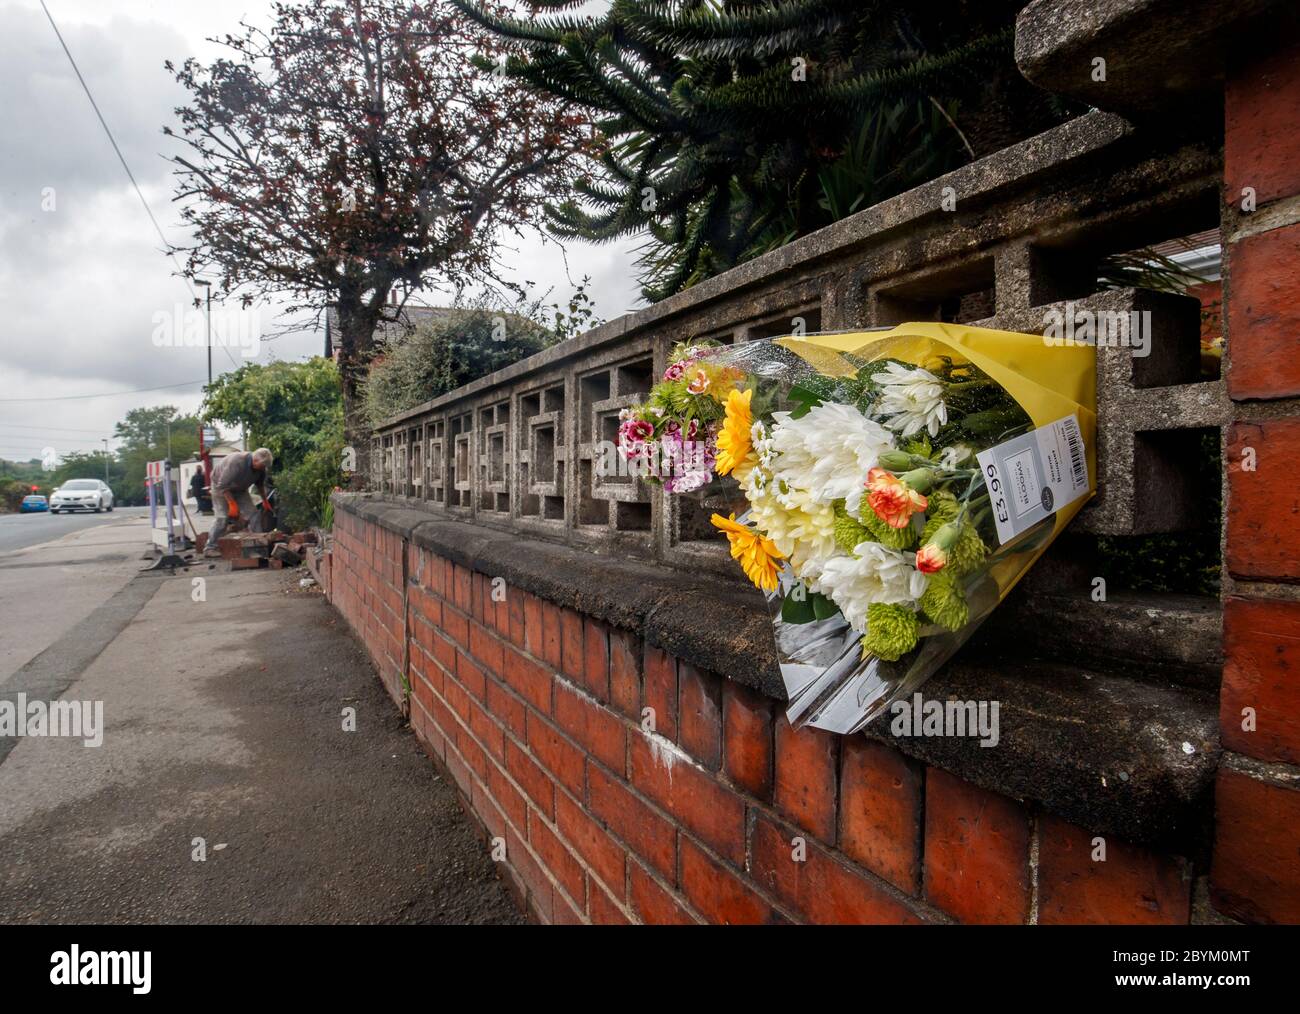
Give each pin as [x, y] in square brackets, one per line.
[63, 569]
[227, 788]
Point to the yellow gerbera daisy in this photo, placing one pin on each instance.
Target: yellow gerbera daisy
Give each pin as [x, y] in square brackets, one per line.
[735, 450]
[756, 554]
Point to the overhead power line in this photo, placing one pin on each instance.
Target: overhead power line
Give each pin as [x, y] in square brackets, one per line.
[52, 429]
[106, 394]
[10, 440]
[27, 453]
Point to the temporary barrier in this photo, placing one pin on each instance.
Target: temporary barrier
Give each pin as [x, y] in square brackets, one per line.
[167, 521]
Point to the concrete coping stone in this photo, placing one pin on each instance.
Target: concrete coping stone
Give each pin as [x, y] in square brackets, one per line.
[1112, 752]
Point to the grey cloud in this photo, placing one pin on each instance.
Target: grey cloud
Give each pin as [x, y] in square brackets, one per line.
[49, 133]
[79, 286]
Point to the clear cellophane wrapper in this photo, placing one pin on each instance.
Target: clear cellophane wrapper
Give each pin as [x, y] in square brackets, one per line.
[831, 681]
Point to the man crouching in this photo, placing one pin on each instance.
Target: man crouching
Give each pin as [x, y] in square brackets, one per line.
[231, 481]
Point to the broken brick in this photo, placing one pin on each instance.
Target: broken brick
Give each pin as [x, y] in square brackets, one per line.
[283, 553]
[244, 545]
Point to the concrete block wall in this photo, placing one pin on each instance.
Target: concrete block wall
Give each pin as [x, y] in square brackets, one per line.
[520, 449]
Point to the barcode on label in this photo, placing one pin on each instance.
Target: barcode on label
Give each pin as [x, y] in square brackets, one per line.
[1034, 475]
[1074, 441]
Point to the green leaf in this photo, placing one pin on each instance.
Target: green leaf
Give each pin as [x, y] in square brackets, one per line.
[805, 401]
[823, 608]
[797, 606]
[803, 606]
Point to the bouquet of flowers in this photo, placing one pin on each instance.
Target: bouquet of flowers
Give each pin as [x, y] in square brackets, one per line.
[892, 487]
[672, 437]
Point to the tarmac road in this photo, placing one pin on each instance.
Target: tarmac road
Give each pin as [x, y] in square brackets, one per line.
[18, 531]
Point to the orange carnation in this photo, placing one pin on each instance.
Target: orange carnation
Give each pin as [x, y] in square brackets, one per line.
[893, 500]
[930, 559]
[933, 556]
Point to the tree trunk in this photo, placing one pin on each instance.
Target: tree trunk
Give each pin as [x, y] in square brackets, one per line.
[357, 323]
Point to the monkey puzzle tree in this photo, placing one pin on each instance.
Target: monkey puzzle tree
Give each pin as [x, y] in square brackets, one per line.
[353, 148]
[732, 126]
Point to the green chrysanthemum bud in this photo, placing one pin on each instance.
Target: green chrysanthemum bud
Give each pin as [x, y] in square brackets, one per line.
[944, 601]
[891, 631]
[894, 538]
[943, 506]
[849, 532]
[672, 397]
[921, 446]
[968, 552]
[895, 461]
[920, 479]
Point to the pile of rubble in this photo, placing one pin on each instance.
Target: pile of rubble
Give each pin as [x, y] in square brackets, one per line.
[250, 550]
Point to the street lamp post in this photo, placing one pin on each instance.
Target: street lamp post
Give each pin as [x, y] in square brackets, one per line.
[104, 441]
[208, 314]
[203, 449]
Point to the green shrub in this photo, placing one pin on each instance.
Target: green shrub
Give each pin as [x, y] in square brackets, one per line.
[295, 410]
[442, 354]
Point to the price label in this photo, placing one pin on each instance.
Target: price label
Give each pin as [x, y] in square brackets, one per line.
[1031, 476]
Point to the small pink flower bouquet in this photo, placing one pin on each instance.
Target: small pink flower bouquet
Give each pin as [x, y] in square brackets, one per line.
[672, 438]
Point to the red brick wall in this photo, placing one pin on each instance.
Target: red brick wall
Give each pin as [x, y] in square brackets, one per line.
[367, 587]
[724, 814]
[1256, 871]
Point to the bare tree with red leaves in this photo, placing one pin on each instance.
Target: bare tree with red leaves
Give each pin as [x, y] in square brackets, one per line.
[353, 149]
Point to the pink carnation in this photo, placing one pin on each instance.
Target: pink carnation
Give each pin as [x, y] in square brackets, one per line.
[635, 431]
[688, 482]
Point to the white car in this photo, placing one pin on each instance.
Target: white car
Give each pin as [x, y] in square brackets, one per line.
[82, 495]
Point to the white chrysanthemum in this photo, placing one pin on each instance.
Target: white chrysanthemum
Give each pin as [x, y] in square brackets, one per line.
[803, 530]
[956, 456]
[828, 452]
[762, 444]
[911, 399]
[873, 574]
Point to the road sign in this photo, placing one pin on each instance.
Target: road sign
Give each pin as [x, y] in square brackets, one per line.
[154, 470]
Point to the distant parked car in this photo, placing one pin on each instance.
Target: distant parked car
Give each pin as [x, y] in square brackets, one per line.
[32, 504]
[82, 495]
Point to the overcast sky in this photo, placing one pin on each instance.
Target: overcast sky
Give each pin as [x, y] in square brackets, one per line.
[80, 284]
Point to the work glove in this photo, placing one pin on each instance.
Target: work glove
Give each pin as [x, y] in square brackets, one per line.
[232, 508]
